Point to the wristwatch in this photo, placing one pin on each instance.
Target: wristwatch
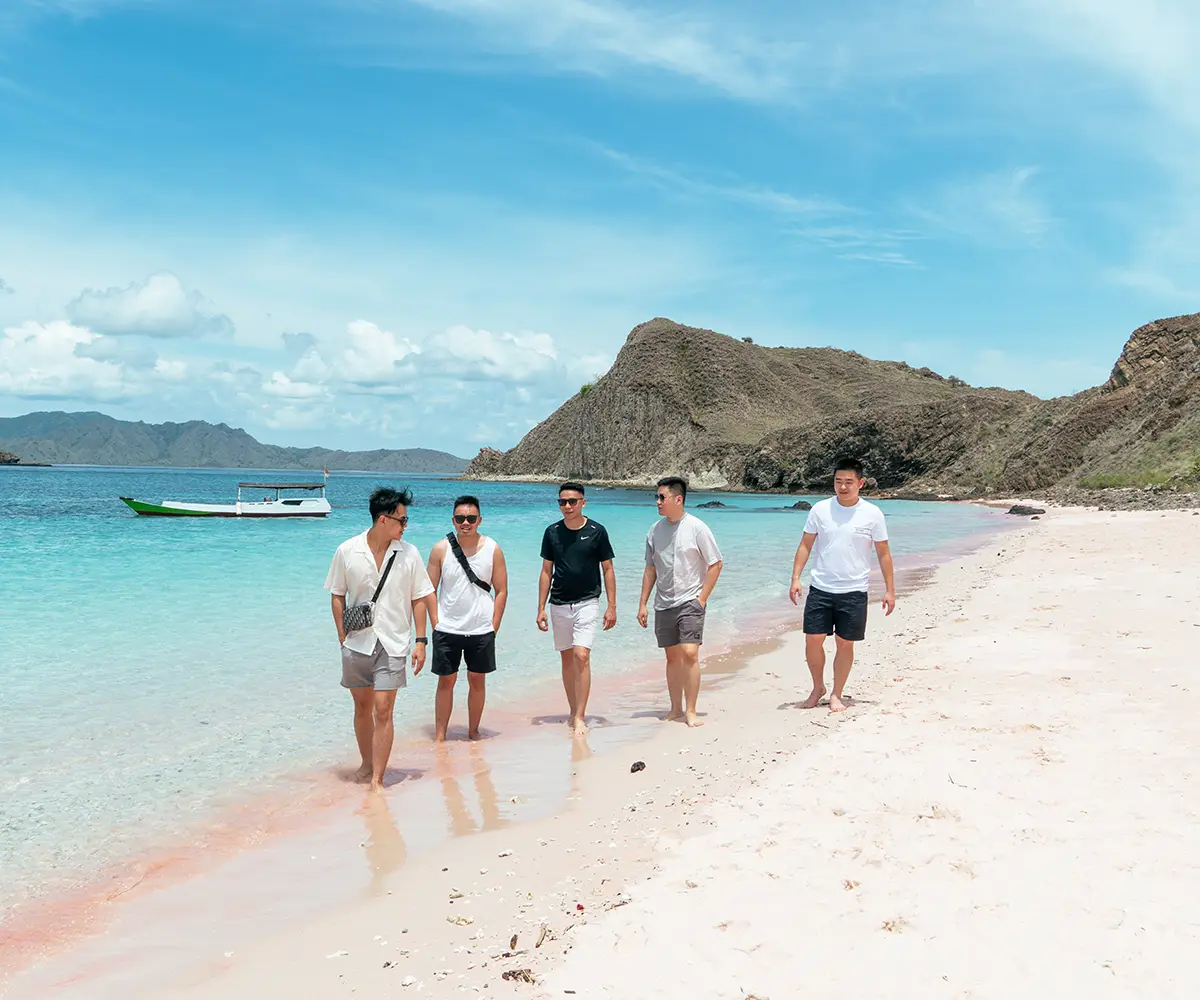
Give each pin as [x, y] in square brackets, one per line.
[422, 638]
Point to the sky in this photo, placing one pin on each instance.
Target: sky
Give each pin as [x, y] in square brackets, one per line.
[426, 223]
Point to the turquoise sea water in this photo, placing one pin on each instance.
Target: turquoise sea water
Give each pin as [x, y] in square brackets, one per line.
[152, 669]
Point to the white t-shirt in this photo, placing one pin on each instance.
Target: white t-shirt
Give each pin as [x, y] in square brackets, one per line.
[681, 554]
[846, 537]
[463, 607]
[355, 575]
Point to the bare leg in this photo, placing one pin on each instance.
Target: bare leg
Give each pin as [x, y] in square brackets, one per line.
[364, 728]
[675, 671]
[568, 678]
[476, 694]
[583, 687]
[689, 671]
[443, 706]
[843, 660]
[814, 653]
[381, 744]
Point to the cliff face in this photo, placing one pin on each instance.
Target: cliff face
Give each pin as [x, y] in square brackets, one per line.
[729, 414]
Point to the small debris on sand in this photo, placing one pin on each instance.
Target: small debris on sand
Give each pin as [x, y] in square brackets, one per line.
[638, 765]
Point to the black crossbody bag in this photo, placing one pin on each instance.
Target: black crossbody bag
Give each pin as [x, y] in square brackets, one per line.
[461, 556]
[363, 615]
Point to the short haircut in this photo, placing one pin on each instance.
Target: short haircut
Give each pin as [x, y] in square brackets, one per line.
[675, 485]
[571, 487]
[385, 500]
[466, 500]
[848, 464]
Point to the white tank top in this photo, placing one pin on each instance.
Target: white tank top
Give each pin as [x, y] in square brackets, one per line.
[464, 608]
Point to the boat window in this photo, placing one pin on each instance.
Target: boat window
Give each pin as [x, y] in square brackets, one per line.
[293, 503]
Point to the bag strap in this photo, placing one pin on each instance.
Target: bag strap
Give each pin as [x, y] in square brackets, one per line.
[383, 579]
[461, 556]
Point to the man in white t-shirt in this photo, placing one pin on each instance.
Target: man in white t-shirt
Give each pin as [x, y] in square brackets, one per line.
[840, 534]
[374, 659]
[682, 566]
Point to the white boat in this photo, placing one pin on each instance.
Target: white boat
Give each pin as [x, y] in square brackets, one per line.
[273, 504]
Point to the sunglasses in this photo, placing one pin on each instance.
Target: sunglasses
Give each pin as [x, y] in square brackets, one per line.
[465, 518]
[662, 497]
[402, 521]
[569, 502]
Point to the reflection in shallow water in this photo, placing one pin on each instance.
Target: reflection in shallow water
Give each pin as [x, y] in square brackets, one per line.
[384, 845]
[462, 818]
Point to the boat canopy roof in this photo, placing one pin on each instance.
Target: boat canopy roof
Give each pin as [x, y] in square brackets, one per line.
[281, 486]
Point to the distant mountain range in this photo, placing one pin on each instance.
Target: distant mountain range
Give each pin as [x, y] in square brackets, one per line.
[97, 439]
[731, 414]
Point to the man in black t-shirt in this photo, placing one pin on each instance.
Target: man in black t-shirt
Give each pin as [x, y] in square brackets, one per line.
[575, 551]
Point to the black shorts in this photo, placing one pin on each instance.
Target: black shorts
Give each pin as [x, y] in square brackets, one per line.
[843, 615]
[449, 650]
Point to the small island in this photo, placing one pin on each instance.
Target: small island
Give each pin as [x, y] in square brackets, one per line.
[8, 458]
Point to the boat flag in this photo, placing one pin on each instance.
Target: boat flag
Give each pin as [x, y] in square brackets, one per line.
[326, 471]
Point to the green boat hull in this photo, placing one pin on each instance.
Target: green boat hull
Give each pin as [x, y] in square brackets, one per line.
[156, 510]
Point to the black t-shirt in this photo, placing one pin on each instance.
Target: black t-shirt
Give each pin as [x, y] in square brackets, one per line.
[577, 556]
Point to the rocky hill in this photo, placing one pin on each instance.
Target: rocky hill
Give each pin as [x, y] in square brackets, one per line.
[97, 439]
[732, 414]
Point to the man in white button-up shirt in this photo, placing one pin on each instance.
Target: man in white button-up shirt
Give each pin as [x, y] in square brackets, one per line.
[374, 659]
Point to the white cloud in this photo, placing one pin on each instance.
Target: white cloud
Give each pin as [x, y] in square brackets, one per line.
[371, 357]
[479, 354]
[993, 209]
[41, 361]
[158, 307]
[280, 385]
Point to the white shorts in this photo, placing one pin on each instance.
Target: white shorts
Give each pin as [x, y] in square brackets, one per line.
[575, 624]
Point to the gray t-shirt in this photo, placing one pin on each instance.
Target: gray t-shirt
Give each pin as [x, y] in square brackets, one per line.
[681, 554]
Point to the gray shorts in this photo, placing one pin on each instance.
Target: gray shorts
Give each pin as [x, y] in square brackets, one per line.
[682, 624]
[374, 670]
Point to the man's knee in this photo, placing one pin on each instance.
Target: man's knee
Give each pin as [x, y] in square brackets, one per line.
[477, 681]
[446, 681]
[582, 657]
[383, 710]
[844, 645]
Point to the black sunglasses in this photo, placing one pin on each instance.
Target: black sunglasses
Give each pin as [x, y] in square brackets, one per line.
[465, 518]
[662, 497]
[569, 501]
[402, 521]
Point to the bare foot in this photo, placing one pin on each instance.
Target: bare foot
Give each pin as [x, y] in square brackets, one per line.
[814, 699]
[363, 774]
[693, 721]
[376, 786]
[675, 715]
[579, 729]
[836, 704]
[474, 735]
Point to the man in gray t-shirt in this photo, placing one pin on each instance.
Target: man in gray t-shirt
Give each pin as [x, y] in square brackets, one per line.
[682, 566]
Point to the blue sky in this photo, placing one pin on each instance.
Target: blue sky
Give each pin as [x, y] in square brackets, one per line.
[391, 223]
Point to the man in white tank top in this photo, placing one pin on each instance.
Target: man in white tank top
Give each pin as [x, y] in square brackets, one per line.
[468, 615]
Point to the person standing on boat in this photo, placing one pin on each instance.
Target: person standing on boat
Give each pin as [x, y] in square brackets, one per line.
[575, 552]
[682, 566]
[467, 569]
[381, 571]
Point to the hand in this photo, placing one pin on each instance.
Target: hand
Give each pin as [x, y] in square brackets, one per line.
[418, 658]
[543, 622]
[643, 616]
[889, 603]
[610, 618]
[795, 592]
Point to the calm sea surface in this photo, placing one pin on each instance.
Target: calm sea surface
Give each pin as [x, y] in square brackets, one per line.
[152, 669]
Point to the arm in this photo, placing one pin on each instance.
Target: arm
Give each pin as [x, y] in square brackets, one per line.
[884, 551]
[803, 551]
[500, 586]
[544, 594]
[434, 568]
[422, 607]
[610, 588]
[710, 581]
[338, 603]
[649, 578]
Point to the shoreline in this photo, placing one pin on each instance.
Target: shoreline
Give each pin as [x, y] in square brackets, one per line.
[951, 836]
[243, 828]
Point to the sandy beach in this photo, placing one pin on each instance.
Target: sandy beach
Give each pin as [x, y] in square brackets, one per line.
[1010, 806]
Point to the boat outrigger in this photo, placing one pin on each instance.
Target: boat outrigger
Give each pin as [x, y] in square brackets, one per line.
[269, 506]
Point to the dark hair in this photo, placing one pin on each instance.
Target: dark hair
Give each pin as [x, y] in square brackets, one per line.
[575, 487]
[848, 464]
[385, 500]
[675, 485]
[466, 500]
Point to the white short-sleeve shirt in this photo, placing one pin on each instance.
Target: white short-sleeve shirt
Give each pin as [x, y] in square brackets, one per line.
[846, 536]
[681, 554]
[355, 576]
